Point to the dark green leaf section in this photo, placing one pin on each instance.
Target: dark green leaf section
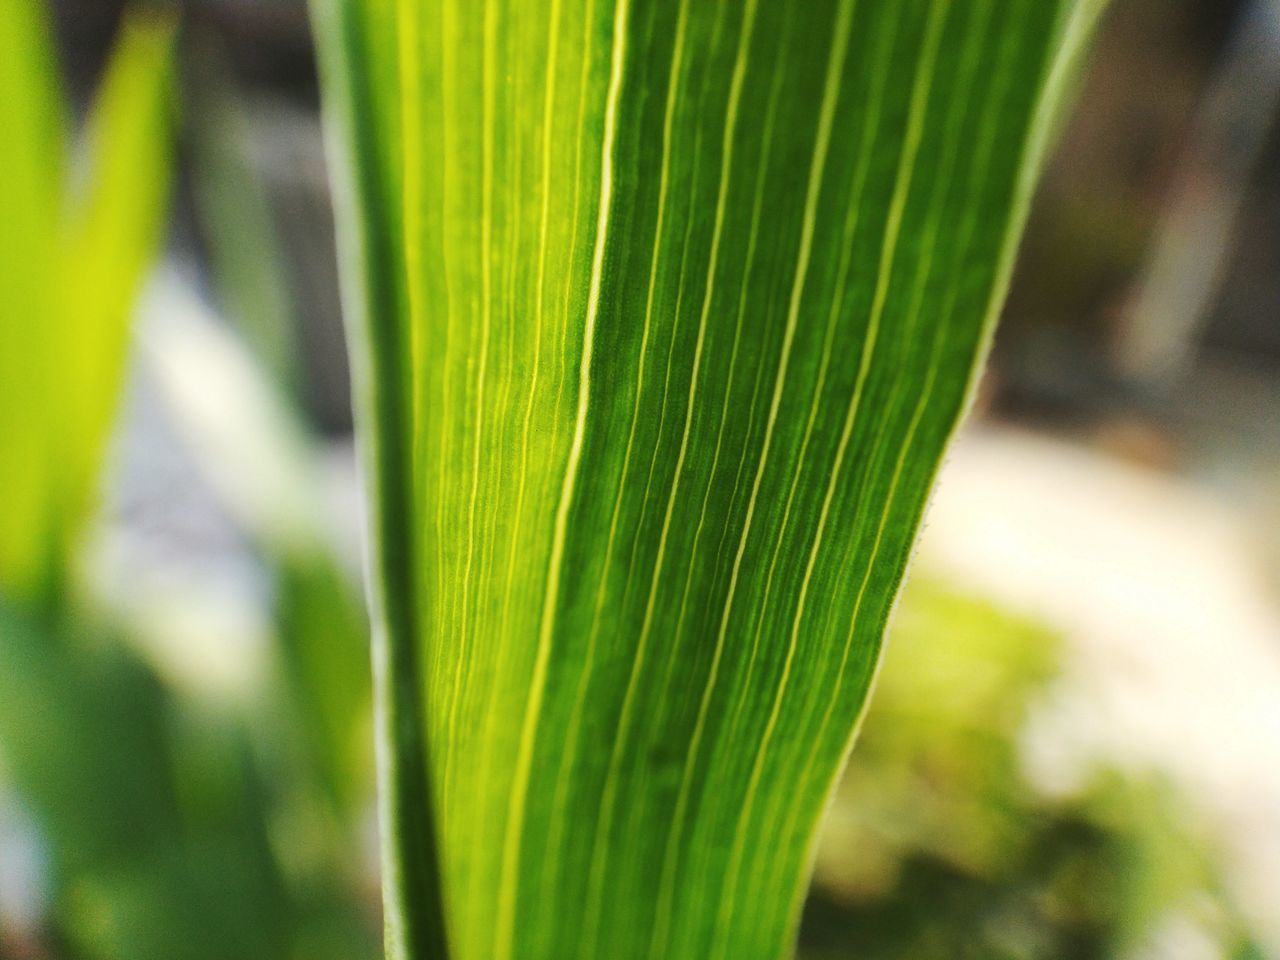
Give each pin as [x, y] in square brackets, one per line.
[141, 871]
[667, 310]
[357, 47]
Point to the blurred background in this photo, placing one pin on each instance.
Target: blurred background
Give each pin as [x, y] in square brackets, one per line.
[1074, 750]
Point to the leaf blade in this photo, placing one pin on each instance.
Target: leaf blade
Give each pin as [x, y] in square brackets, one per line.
[776, 294]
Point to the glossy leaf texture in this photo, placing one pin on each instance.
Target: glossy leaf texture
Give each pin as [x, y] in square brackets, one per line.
[75, 239]
[662, 315]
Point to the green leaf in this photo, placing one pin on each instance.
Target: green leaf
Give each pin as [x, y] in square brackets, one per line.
[71, 259]
[662, 315]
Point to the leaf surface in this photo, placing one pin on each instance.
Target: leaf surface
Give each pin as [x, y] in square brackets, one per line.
[662, 316]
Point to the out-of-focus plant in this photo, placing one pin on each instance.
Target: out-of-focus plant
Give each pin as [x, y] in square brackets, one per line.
[940, 845]
[166, 831]
[78, 231]
[266, 467]
[86, 732]
[237, 402]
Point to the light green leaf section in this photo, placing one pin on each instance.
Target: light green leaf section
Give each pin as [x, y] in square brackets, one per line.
[662, 315]
[30, 173]
[72, 253]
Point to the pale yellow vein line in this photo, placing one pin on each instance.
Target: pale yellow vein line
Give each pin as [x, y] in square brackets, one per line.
[867, 140]
[691, 222]
[874, 97]
[508, 882]
[488, 725]
[594, 893]
[486, 297]
[432, 336]
[971, 61]
[548, 106]
[873, 100]
[662, 919]
[987, 142]
[512, 56]
[826, 117]
[647, 325]
[555, 830]
[575, 717]
[458, 629]
[758, 193]
[464, 667]
[668, 887]
[871, 117]
[915, 129]
[589, 33]
[601, 847]
[448, 67]
[493, 712]
[835, 66]
[753, 236]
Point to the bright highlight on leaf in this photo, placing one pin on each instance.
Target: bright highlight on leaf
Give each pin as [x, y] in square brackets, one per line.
[662, 316]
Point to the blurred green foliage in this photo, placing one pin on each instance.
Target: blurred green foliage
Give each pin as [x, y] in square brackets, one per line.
[148, 861]
[939, 846]
[172, 831]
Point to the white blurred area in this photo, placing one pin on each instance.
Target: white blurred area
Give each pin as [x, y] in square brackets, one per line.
[1159, 585]
[212, 469]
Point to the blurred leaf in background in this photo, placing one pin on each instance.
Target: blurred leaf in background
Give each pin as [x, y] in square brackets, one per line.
[250, 442]
[148, 861]
[238, 400]
[172, 831]
[939, 845]
[74, 244]
[235, 218]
